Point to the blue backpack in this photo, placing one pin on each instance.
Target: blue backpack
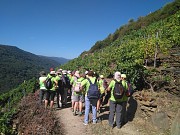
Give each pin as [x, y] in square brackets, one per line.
[93, 92]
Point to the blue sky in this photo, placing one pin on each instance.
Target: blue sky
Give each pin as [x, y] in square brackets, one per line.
[66, 28]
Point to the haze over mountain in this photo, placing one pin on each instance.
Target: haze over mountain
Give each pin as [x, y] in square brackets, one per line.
[60, 60]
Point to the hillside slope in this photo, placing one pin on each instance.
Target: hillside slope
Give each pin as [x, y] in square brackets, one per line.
[60, 60]
[142, 22]
[138, 53]
[18, 65]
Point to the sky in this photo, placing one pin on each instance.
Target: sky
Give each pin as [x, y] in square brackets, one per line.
[66, 28]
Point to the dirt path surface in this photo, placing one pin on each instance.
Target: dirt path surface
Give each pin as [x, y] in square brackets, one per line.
[72, 125]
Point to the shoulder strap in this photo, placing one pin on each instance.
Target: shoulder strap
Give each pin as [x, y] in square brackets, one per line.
[89, 80]
[120, 82]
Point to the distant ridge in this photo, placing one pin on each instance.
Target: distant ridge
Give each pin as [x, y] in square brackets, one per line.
[18, 65]
[60, 60]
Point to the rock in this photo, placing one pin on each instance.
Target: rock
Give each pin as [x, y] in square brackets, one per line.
[160, 120]
[175, 128]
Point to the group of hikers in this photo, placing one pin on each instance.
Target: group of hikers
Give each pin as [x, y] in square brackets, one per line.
[86, 90]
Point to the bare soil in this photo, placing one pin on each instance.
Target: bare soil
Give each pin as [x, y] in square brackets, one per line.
[34, 119]
[72, 125]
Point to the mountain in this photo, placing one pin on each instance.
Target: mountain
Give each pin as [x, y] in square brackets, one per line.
[142, 22]
[18, 65]
[142, 50]
[60, 60]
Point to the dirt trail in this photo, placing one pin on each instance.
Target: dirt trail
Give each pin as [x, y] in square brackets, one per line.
[72, 125]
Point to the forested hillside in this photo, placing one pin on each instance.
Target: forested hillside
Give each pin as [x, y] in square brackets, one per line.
[18, 65]
[60, 60]
[141, 52]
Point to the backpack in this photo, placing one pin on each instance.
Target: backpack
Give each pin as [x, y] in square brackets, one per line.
[67, 82]
[48, 83]
[129, 90]
[77, 87]
[118, 91]
[93, 92]
[60, 83]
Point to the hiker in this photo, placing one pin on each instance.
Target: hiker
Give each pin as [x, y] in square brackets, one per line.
[50, 93]
[116, 105]
[74, 79]
[59, 89]
[78, 96]
[103, 87]
[124, 111]
[43, 89]
[69, 74]
[91, 97]
[66, 85]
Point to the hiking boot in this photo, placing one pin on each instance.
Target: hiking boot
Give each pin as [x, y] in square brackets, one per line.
[85, 124]
[74, 113]
[80, 113]
[72, 109]
[58, 108]
[111, 126]
[119, 126]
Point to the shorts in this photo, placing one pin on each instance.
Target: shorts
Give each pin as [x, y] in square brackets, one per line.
[50, 94]
[78, 98]
[102, 95]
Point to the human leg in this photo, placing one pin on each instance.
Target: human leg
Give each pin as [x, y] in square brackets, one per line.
[112, 107]
[57, 95]
[87, 108]
[47, 98]
[65, 96]
[52, 95]
[119, 108]
[94, 110]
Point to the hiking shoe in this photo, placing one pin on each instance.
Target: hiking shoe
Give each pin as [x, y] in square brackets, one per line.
[111, 126]
[118, 127]
[80, 113]
[99, 111]
[58, 108]
[85, 124]
[74, 113]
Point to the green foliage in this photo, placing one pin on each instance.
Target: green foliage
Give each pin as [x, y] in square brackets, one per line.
[142, 22]
[128, 53]
[9, 102]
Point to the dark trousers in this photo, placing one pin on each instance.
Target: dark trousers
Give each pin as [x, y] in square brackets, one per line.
[41, 95]
[59, 92]
[115, 108]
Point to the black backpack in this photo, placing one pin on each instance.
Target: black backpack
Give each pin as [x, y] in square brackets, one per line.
[48, 83]
[67, 82]
[119, 90]
[60, 83]
[93, 92]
